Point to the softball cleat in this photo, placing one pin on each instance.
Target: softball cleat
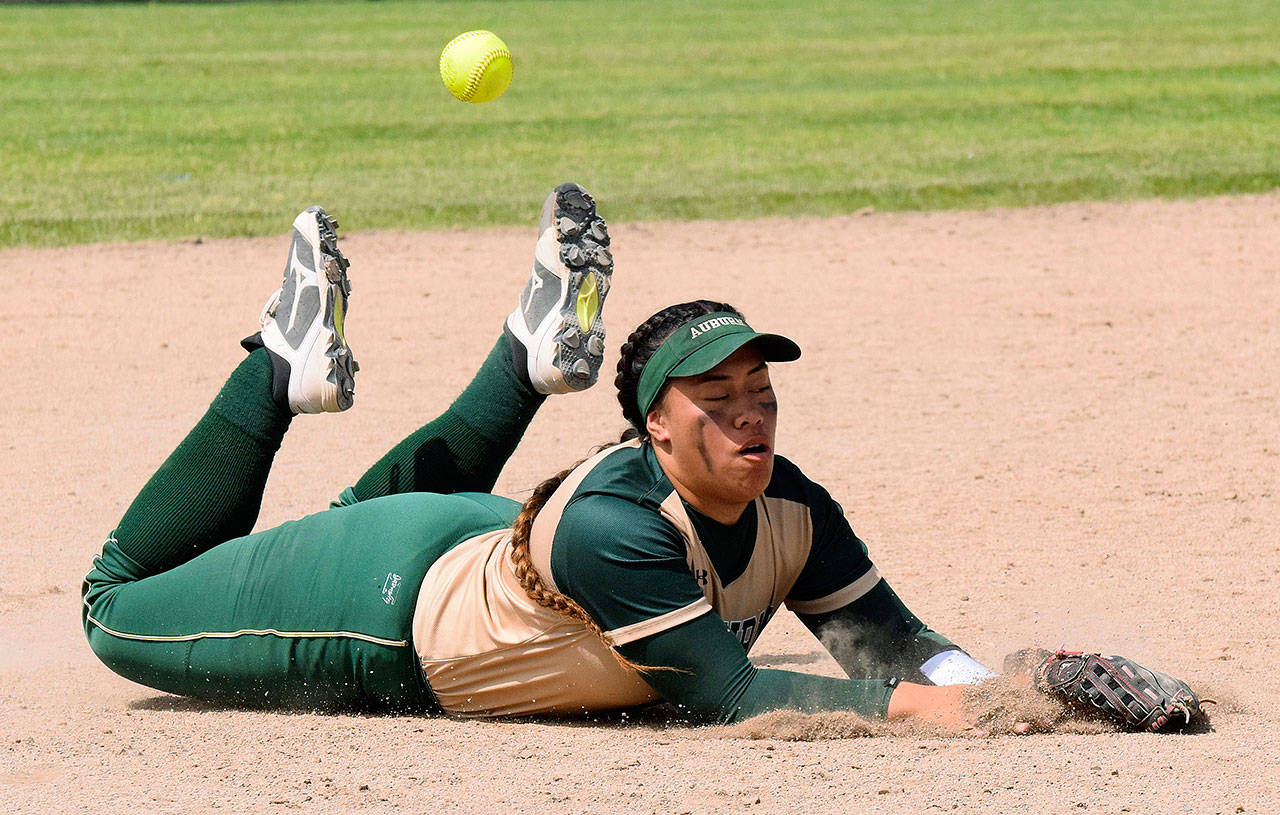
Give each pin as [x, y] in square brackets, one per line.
[556, 331]
[302, 323]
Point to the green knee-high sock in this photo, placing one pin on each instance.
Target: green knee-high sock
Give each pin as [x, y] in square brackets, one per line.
[465, 448]
[209, 490]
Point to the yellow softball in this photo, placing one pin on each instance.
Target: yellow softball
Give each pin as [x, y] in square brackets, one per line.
[476, 66]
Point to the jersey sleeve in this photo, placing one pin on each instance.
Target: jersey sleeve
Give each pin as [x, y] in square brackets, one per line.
[626, 566]
[838, 570]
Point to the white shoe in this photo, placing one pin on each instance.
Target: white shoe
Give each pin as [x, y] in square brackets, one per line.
[302, 323]
[557, 335]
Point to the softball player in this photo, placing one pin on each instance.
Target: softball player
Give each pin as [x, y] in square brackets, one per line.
[645, 572]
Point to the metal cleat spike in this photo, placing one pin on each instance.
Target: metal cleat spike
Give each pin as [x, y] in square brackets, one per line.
[567, 227]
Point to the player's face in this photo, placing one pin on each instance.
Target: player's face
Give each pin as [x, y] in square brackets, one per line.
[714, 434]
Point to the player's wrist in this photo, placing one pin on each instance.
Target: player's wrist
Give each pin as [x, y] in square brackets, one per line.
[941, 706]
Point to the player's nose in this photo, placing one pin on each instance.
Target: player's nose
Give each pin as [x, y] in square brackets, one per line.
[748, 413]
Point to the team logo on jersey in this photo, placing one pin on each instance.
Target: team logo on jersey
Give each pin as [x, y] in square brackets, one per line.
[747, 630]
[389, 587]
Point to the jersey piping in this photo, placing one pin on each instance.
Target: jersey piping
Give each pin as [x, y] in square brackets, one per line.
[838, 599]
[656, 625]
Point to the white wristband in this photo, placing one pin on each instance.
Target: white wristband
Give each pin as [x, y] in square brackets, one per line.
[955, 668]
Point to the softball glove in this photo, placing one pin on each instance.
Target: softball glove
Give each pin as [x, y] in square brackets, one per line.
[1132, 695]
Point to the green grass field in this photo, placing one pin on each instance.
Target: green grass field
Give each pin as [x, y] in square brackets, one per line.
[137, 121]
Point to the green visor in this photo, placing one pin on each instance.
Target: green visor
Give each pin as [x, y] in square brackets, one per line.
[700, 345]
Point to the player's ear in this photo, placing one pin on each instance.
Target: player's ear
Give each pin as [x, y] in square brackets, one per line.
[656, 423]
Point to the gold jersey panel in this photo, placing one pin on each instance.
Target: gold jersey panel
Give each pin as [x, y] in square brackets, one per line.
[488, 650]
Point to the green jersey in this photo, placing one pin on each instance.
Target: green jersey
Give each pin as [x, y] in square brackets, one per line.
[618, 539]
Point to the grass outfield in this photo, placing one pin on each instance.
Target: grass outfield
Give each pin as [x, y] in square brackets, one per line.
[139, 121]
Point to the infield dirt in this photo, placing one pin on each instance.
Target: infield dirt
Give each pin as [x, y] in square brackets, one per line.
[1053, 426]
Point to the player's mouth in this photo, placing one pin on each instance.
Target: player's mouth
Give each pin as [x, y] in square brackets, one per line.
[756, 451]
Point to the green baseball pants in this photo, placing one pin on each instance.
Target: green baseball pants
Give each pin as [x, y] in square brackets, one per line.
[315, 613]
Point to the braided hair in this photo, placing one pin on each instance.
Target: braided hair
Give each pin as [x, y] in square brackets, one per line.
[640, 347]
[636, 351]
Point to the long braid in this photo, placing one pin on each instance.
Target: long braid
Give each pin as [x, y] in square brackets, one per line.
[636, 351]
[531, 581]
[522, 563]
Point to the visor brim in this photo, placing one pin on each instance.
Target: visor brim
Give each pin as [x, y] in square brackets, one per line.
[773, 347]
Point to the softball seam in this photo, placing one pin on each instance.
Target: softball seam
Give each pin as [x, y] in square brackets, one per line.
[477, 73]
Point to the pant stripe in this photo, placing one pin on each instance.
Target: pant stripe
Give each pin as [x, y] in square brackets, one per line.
[249, 632]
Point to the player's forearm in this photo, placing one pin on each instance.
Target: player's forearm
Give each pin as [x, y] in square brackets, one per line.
[788, 690]
[703, 698]
[876, 636]
[710, 679]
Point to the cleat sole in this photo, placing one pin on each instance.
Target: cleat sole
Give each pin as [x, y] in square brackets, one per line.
[342, 365]
[584, 241]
